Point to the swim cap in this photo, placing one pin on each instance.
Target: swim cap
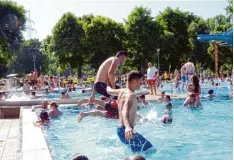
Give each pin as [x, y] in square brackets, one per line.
[166, 119]
[111, 105]
[114, 104]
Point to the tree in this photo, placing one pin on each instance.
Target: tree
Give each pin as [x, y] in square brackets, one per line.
[229, 10]
[220, 24]
[176, 46]
[24, 59]
[199, 50]
[143, 35]
[12, 20]
[103, 38]
[67, 42]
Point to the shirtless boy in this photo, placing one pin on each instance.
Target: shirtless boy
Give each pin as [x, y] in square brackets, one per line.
[190, 69]
[106, 74]
[127, 106]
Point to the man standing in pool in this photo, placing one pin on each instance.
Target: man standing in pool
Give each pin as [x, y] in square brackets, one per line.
[127, 106]
[190, 69]
[106, 74]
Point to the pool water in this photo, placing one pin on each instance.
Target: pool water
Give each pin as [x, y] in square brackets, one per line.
[195, 133]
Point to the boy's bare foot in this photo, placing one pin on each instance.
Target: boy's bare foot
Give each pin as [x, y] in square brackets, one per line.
[80, 102]
[80, 117]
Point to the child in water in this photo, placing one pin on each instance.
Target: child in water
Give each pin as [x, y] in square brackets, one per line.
[167, 118]
[190, 102]
[195, 89]
[210, 94]
[44, 118]
[54, 111]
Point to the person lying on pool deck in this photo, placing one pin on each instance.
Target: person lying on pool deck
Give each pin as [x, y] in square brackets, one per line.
[127, 108]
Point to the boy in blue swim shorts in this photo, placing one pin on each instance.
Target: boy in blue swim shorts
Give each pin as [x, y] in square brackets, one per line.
[127, 106]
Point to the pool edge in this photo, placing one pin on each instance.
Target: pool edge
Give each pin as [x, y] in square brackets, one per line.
[34, 145]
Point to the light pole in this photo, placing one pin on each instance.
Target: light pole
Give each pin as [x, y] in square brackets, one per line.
[158, 51]
[34, 61]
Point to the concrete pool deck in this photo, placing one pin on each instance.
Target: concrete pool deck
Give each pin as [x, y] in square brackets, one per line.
[156, 97]
[10, 139]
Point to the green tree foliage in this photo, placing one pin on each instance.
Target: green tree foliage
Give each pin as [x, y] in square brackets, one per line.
[67, 42]
[88, 40]
[24, 59]
[229, 10]
[176, 47]
[220, 24]
[143, 37]
[12, 20]
[103, 38]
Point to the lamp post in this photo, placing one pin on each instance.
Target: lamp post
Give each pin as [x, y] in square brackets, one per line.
[34, 61]
[158, 51]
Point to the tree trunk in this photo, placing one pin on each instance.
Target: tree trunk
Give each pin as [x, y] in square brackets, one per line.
[79, 70]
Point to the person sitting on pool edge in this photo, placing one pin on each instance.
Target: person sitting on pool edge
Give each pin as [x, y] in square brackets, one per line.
[54, 111]
[127, 106]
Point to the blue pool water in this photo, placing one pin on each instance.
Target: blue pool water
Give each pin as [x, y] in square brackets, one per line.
[195, 134]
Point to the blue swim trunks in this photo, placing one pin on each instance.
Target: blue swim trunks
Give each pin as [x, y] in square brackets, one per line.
[138, 143]
[184, 79]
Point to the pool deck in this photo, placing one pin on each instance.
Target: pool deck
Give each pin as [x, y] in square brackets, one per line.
[10, 139]
[156, 97]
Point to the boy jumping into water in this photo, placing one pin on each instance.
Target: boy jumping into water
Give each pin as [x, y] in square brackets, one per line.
[127, 107]
[106, 74]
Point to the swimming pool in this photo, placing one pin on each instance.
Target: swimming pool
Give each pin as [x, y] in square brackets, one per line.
[204, 133]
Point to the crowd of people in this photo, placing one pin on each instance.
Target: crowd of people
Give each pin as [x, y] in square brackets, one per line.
[123, 103]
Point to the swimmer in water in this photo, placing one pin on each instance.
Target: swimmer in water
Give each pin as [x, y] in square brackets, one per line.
[79, 157]
[127, 106]
[195, 89]
[137, 157]
[167, 99]
[167, 118]
[111, 111]
[210, 94]
[54, 112]
[65, 95]
[44, 119]
[142, 100]
[190, 101]
[162, 97]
